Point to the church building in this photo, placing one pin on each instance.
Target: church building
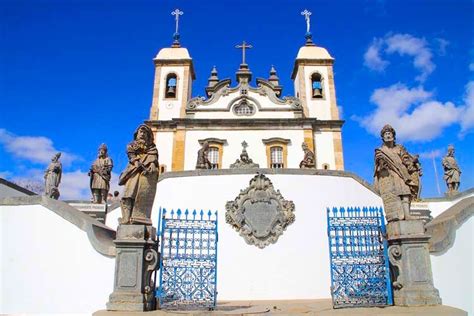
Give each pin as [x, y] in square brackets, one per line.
[246, 114]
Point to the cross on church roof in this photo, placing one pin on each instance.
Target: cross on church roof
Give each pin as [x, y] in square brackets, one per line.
[243, 46]
[244, 144]
[308, 34]
[176, 14]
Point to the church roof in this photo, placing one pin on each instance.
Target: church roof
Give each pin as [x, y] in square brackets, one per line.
[313, 52]
[173, 53]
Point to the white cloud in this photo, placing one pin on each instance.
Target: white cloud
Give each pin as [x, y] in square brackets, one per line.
[411, 111]
[36, 149]
[403, 44]
[372, 58]
[467, 118]
[431, 154]
[442, 44]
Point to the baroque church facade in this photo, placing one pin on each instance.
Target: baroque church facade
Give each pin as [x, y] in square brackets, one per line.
[244, 115]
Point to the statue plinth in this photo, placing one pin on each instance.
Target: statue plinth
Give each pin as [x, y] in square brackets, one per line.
[411, 264]
[136, 259]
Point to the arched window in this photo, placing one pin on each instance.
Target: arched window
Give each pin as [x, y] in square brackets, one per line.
[171, 81]
[317, 86]
[276, 154]
[213, 156]
[326, 166]
[162, 169]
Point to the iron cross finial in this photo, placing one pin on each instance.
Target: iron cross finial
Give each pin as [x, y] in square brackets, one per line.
[176, 14]
[307, 14]
[243, 46]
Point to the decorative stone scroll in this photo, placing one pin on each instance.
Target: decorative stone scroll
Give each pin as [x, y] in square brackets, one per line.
[259, 213]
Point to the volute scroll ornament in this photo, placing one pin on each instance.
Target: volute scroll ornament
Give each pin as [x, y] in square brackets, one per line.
[260, 213]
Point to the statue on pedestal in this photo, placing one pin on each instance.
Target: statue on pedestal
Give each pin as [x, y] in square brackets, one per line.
[202, 158]
[452, 173]
[392, 178]
[244, 162]
[140, 178]
[100, 174]
[52, 177]
[413, 164]
[309, 160]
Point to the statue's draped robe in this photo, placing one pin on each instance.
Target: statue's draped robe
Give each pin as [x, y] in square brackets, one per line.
[391, 180]
[101, 173]
[140, 187]
[53, 177]
[308, 160]
[202, 160]
[452, 174]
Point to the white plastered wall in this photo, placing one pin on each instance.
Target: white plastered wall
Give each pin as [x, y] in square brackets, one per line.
[297, 266]
[170, 108]
[453, 273]
[256, 148]
[324, 149]
[164, 144]
[48, 265]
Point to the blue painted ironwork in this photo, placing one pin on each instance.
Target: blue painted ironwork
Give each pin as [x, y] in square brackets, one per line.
[360, 274]
[188, 265]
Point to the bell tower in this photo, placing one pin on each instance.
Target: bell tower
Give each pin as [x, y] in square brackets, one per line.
[313, 79]
[174, 74]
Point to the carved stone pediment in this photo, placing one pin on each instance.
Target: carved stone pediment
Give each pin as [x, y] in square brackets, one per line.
[259, 213]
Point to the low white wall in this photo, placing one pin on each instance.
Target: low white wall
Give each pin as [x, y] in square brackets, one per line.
[453, 270]
[297, 266]
[48, 264]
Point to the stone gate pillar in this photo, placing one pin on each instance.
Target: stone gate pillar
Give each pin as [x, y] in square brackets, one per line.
[135, 261]
[411, 264]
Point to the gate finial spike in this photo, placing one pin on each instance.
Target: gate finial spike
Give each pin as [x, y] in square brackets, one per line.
[194, 214]
[172, 213]
[209, 213]
[186, 213]
[178, 213]
[201, 213]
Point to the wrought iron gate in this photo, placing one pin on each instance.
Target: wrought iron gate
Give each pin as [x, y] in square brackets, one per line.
[188, 265]
[360, 274]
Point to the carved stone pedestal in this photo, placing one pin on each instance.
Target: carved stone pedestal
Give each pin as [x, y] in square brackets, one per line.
[135, 262]
[411, 265]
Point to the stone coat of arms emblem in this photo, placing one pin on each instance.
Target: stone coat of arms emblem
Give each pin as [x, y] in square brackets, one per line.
[259, 213]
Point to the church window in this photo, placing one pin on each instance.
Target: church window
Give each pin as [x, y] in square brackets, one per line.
[276, 157]
[171, 82]
[243, 108]
[277, 152]
[326, 166]
[317, 86]
[213, 156]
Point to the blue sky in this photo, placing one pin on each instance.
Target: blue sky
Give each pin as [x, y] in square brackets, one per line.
[74, 74]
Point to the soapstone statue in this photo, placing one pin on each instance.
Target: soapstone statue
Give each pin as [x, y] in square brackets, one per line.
[139, 178]
[202, 157]
[244, 162]
[100, 173]
[309, 160]
[52, 177]
[392, 178]
[452, 172]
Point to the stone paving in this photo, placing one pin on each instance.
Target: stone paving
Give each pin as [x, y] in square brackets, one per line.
[300, 307]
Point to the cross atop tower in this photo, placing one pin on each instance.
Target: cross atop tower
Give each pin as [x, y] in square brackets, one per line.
[243, 46]
[308, 34]
[176, 14]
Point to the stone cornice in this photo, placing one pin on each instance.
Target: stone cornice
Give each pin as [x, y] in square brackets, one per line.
[310, 62]
[176, 62]
[245, 123]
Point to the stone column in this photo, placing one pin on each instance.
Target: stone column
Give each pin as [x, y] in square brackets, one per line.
[135, 261]
[411, 264]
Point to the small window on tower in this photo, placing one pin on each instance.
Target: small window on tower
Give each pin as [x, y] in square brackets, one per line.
[317, 86]
[213, 156]
[171, 86]
[276, 153]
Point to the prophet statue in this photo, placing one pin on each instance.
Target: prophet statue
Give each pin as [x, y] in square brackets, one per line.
[52, 177]
[140, 178]
[392, 178]
[452, 172]
[100, 173]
